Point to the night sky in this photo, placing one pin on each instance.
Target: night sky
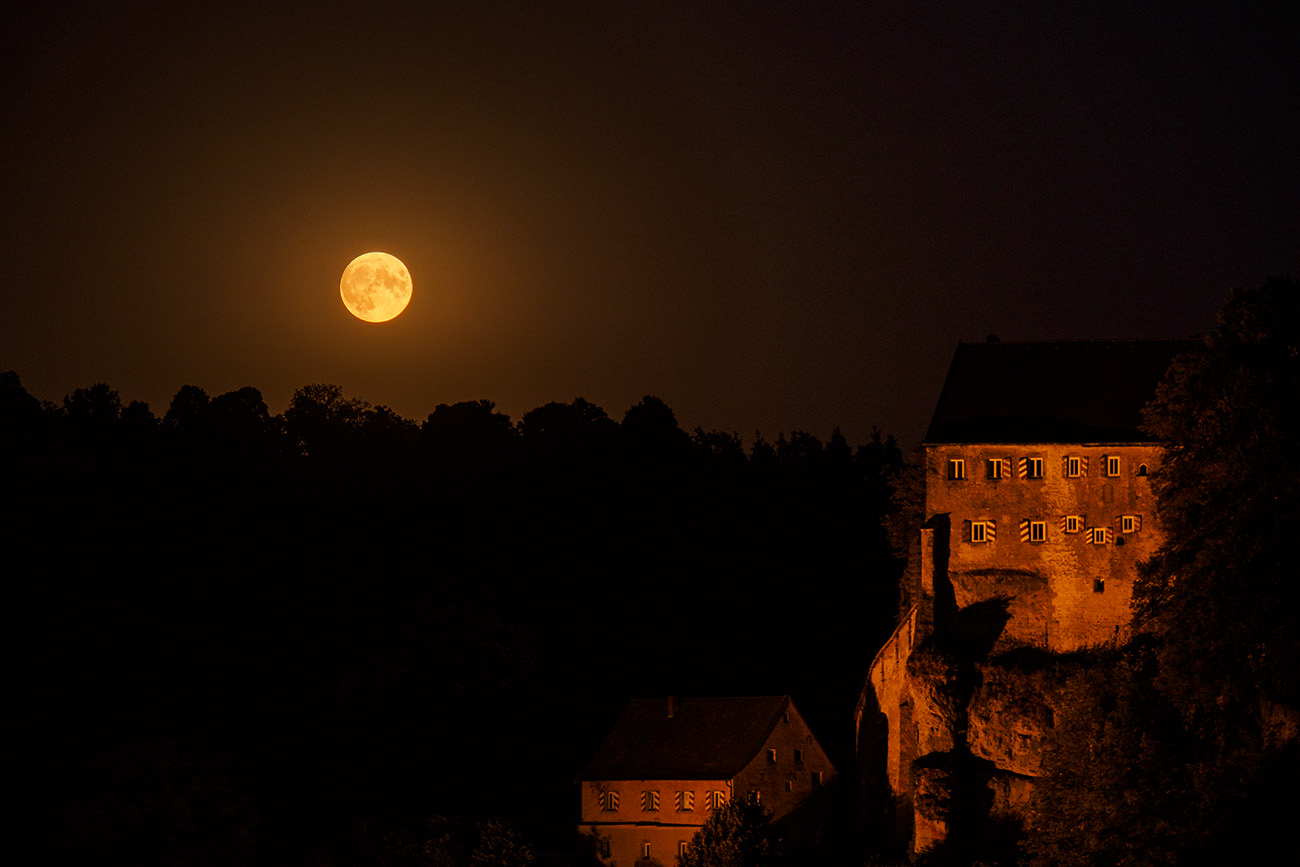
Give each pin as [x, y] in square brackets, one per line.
[772, 216]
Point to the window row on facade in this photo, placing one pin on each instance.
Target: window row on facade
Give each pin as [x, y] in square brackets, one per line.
[683, 801]
[1036, 530]
[1034, 467]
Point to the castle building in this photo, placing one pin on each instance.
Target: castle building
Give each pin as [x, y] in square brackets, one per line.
[1038, 508]
[668, 763]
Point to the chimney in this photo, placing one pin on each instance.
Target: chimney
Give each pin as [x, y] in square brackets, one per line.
[672, 706]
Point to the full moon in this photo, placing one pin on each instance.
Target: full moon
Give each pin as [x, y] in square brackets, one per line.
[375, 287]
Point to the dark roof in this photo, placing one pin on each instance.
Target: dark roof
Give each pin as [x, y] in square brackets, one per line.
[704, 739]
[1085, 391]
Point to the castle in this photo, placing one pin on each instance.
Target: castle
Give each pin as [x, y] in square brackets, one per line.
[1038, 508]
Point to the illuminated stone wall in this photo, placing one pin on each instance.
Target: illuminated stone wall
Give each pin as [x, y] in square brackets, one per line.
[1067, 590]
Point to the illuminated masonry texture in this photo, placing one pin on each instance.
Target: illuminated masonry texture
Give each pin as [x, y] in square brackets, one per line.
[669, 762]
[1038, 508]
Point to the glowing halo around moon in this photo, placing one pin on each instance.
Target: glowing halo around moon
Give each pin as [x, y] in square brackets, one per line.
[376, 287]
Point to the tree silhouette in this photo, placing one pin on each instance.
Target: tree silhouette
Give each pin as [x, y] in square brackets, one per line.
[737, 834]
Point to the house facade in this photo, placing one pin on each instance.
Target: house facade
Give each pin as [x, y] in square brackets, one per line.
[1038, 508]
[669, 762]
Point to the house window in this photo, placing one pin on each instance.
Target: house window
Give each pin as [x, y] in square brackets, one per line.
[1031, 468]
[603, 846]
[1142, 470]
[816, 778]
[771, 757]
[1071, 524]
[956, 469]
[650, 802]
[1098, 585]
[798, 757]
[681, 848]
[789, 785]
[755, 796]
[645, 850]
[983, 531]
[993, 468]
[1073, 467]
[608, 801]
[1037, 531]
[1130, 523]
[685, 802]
[1112, 465]
[1098, 536]
[717, 800]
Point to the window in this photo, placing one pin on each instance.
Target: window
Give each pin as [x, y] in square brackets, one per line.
[603, 846]
[771, 757]
[1037, 531]
[645, 850]
[789, 785]
[798, 757]
[608, 801]
[685, 802]
[1112, 465]
[1098, 585]
[956, 469]
[1142, 470]
[979, 531]
[755, 796]
[1073, 467]
[717, 800]
[650, 802]
[681, 848]
[1130, 523]
[1031, 468]
[1098, 536]
[816, 778]
[1071, 524]
[993, 468]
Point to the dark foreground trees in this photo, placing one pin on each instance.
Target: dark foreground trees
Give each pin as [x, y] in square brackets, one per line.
[739, 834]
[1178, 748]
[333, 619]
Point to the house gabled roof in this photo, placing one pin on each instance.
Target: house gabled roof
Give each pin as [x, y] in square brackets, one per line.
[1069, 391]
[703, 739]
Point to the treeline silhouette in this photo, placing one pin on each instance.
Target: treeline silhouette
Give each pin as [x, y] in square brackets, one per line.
[233, 635]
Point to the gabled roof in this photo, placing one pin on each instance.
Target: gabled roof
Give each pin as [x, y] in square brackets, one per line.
[704, 739]
[1070, 391]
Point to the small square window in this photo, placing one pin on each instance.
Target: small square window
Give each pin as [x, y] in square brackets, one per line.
[717, 799]
[1129, 523]
[1073, 467]
[1098, 536]
[789, 785]
[1098, 585]
[755, 796]
[816, 778]
[1033, 468]
[1038, 531]
[1071, 524]
[609, 801]
[993, 468]
[771, 757]
[798, 757]
[956, 469]
[1112, 465]
[650, 802]
[979, 531]
[685, 802]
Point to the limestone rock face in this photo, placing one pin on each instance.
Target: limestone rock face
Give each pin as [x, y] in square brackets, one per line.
[1008, 717]
[932, 687]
